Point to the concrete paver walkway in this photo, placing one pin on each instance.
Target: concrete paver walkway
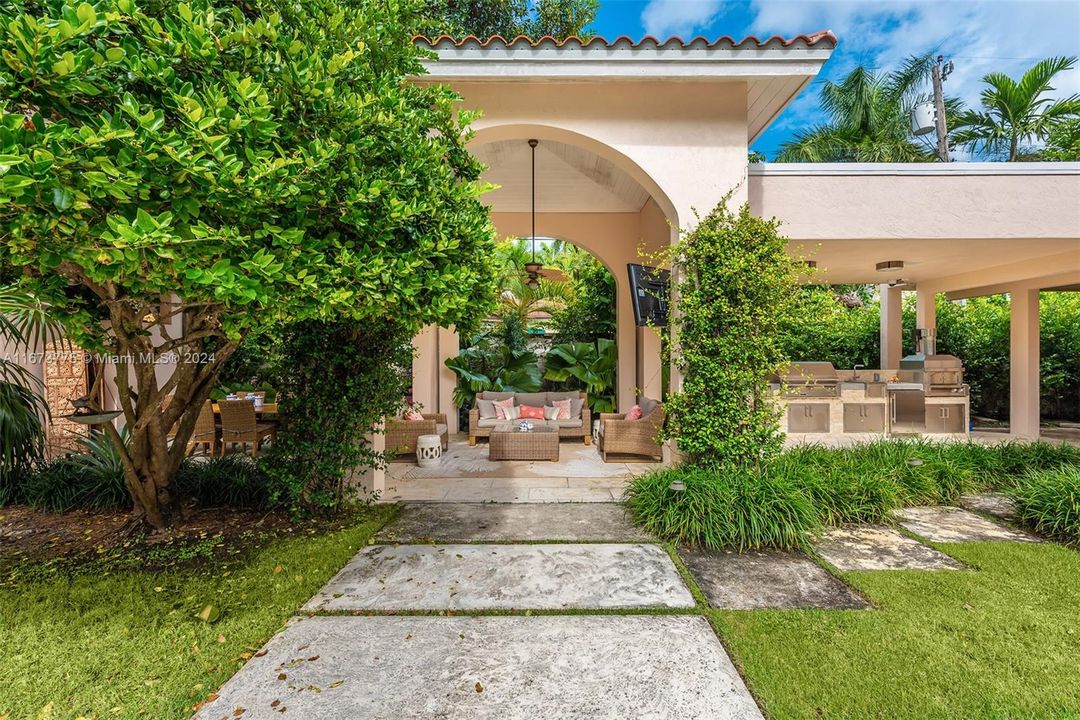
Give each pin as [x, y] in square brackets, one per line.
[949, 524]
[523, 577]
[486, 522]
[498, 668]
[768, 579]
[877, 547]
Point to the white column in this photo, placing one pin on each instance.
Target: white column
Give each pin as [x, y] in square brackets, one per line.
[925, 309]
[448, 346]
[649, 363]
[425, 375]
[891, 326]
[1024, 363]
[626, 345]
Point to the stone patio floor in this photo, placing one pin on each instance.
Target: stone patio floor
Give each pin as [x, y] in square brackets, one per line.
[397, 646]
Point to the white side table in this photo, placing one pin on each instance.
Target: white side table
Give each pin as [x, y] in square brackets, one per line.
[428, 450]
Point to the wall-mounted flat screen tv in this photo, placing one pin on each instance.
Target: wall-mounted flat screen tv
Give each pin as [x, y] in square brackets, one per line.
[650, 290]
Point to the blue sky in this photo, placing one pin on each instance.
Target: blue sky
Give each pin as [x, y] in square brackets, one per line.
[980, 36]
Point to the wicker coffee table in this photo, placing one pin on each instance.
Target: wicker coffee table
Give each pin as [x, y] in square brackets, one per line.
[508, 442]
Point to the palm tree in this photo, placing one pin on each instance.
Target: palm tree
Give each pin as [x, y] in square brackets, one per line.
[868, 118]
[24, 323]
[1014, 112]
[516, 296]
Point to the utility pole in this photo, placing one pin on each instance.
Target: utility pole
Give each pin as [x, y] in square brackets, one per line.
[940, 73]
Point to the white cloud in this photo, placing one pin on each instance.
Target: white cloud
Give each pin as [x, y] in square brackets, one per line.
[664, 18]
[979, 36]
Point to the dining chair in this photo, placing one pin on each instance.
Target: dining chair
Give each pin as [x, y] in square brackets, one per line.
[239, 425]
[205, 432]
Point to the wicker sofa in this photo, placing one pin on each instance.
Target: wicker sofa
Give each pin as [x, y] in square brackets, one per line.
[620, 436]
[577, 427]
[401, 434]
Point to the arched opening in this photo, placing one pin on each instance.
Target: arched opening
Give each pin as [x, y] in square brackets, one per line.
[589, 196]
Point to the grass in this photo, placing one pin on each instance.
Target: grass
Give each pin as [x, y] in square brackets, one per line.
[808, 488]
[1000, 642]
[124, 643]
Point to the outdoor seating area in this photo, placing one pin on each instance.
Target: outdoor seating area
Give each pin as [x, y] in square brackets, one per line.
[234, 423]
[635, 433]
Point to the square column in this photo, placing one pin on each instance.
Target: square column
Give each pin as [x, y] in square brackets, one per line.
[891, 326]
[625, 345]
[926, 309]
[1024, 363]
[425, 370]
[448, 347]
[649, 363]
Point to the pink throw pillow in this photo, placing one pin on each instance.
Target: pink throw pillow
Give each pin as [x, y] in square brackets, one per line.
[532, 413]
[564, 408]
[635, 413]
[412, 415]
[501, 407]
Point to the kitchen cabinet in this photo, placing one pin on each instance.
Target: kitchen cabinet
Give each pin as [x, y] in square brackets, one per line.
[945, 418]
[808, 418]
[864, 417]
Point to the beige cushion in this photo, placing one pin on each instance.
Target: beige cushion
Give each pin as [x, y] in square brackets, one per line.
[575, 408]
[647, 405]
[561, 396]
[533, 399]
[488, 422]
[576, 422]
[486, 408]
[440, 428]
[550, 413]
[492, 395]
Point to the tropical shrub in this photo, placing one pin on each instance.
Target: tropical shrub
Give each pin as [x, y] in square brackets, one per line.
[586, 366]
[232, 480]
[1049, 501]
[93, 479]
[22, 437]
[500, 367]
[736, 294]
[254, 164]
[589, 314]
[337, 381]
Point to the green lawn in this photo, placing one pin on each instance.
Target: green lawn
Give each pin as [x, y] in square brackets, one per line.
[1001, 642]
[130, 644]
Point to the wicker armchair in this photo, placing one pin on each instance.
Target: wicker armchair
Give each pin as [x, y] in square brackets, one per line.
[205, 432]
[401, 434]
[239, 425]
[620, 436]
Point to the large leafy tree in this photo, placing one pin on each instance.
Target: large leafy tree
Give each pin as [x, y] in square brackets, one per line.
[1063, 142]
[868, 118]
[252, 164]
[1016, 111]
[509, 18]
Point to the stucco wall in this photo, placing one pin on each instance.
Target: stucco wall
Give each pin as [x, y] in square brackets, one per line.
[954, 203]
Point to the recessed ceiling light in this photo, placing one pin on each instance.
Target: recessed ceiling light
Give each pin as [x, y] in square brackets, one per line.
[890, 265]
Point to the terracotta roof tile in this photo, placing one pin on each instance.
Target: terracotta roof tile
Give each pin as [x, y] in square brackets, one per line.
[825, 36]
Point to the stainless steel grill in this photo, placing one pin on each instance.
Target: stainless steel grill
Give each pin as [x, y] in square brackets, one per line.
[810, 379]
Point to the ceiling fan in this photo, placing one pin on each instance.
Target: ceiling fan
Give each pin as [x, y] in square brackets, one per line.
[535, 270]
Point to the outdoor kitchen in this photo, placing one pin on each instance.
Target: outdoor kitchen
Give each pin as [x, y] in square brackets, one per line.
[925, 395]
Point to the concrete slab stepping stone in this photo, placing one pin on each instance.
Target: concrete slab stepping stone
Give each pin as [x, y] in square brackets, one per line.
[994, 504]
[950, 524]
[767, 579]
[485, 577]
[480, 522]
[488, 668]
[877, 547]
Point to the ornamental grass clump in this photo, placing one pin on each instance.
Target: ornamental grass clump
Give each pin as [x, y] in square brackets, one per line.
[1049, 502]
[722, 508]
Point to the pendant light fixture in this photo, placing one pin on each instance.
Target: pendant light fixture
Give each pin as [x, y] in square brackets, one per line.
[532, 268]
